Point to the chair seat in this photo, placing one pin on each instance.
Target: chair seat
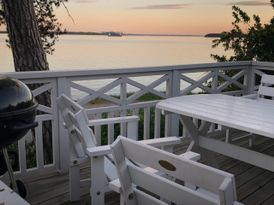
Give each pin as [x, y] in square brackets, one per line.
[115, 185]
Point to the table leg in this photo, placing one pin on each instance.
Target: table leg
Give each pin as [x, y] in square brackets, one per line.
[194, 133]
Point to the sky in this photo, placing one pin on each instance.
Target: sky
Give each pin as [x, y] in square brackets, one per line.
[157, 16]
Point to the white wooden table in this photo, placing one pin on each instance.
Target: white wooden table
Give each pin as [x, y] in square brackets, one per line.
[255, 116]
[10, 197]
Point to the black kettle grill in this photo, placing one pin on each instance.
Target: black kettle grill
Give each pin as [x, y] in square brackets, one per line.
[17, 115]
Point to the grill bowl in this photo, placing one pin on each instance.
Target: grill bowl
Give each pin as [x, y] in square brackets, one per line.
[17, 110]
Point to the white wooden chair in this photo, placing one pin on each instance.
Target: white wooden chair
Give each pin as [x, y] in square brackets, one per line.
[142, 187]
[265, 93]
[82, 137]
[266, 89]
[83, 147]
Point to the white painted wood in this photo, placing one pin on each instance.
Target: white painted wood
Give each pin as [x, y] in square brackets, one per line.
[10, 197]
[228, 111]
[251, 96]
[74, 183]
[191, 156]
[159, 142]
[101, 92]
[146, 123]
[239, 153]
[146, 89]
[123, 129]
[39, 146]
[110, 129]
[113, 120]
[266, 91]
[173, 89]
[97, 130]
[63, 81]
[131, 175]
[42, 89]
[196, 84]
[40, 75]
[62, 135]
[146, 199]
[115, 185]
[157, 123]
[82, 137]
[98, 182]
[263, 91]
[267, 79]
[231, 80]
[132, 130]
[61, 166]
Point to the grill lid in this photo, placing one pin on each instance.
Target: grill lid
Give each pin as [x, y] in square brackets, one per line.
[15, 97]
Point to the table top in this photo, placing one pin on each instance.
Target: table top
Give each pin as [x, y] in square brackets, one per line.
[255, 116]
[10, 197]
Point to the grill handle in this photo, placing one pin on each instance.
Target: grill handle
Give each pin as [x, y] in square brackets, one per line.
[24, 126]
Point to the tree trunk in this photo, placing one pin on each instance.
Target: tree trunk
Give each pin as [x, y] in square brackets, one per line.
[25, 40]
[28, 52]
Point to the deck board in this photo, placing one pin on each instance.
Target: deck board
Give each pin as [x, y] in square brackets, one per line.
[254, 185]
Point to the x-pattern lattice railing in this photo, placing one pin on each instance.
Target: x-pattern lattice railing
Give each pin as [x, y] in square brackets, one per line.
[161, 82]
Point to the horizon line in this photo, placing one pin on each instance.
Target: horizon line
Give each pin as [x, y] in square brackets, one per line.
[137, 34]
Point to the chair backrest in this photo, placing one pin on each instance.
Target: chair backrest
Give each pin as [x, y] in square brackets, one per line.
[77, 125]
[266, 89]
[136, 182]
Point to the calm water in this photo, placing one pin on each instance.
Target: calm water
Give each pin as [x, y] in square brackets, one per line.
[78, 52]
[97, 52]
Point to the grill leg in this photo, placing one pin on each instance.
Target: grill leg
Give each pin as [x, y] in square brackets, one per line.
[10, 171]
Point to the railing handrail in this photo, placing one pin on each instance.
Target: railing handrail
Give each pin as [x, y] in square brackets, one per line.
[119, 71]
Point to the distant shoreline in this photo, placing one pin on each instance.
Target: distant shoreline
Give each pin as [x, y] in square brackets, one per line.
[123, 34]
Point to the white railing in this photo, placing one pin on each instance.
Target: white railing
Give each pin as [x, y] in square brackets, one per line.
[120, 92]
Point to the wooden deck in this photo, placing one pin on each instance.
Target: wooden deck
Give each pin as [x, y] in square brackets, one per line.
[254, 185]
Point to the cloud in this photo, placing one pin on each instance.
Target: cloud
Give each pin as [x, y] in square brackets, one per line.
[162, 6]
[251, 3]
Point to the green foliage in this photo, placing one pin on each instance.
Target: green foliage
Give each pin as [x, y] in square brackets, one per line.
[249, 39]
[48, 24]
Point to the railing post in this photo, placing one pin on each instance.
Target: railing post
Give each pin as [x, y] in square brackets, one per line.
[173, 89]
[214, 85]
[249, 79]
[64, 161]
[123, 97]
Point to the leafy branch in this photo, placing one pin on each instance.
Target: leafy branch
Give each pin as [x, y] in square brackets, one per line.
[249, 39]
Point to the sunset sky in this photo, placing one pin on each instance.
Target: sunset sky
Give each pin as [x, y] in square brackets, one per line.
[157, 16]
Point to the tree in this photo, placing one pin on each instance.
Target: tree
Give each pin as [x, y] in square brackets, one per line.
[24, 38]
[48, 24]
[32, 29]
[248, 40]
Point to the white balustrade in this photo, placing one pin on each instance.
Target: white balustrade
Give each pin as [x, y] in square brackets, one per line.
[119, 92]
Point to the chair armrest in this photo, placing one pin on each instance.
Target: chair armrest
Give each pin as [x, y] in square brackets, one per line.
[251, 96]
[158, 142]
[165, 141]
[99, 151]
[114, 120]
[191, 156]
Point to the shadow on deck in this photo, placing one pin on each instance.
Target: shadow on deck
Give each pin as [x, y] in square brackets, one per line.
[254, 185]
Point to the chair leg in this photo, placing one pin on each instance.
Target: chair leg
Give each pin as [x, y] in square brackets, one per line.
[228, 138]
[251, 140]
[74, 183]
[122, 200]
